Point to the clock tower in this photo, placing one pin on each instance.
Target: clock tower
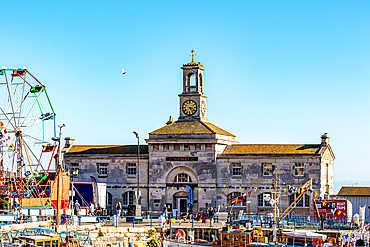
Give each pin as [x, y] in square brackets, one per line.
[193, 102]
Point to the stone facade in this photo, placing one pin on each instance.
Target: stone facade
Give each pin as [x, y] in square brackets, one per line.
[197, 153]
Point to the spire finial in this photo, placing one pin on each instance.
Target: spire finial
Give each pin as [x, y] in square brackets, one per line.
[192, 55]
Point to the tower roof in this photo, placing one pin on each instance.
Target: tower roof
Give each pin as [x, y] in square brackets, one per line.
[190, 127]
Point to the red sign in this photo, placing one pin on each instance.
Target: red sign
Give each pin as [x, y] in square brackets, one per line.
[334, 209]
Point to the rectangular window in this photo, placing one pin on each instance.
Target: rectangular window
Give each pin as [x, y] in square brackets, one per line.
[237, 169]
[186, 147]
[155, 147]
[166, 147]
[208, 146]
[103, 169]
[267, 169]
[176, 147]
[131, 169]
[197, 146]
[299, 169]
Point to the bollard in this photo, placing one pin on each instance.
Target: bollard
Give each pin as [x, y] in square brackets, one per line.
[192, 221]
[151, 221]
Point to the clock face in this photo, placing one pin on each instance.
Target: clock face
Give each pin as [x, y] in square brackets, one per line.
[203, 108]
[189, 107]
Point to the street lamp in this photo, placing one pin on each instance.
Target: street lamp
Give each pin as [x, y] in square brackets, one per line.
[74, 174]
[137, 173]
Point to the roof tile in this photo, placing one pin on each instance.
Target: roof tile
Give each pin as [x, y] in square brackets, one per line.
[263, 149]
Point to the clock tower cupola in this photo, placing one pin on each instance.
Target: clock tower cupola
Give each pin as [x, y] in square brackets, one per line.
[193, 102]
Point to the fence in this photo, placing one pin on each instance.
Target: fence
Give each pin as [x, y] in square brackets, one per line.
[33, 215]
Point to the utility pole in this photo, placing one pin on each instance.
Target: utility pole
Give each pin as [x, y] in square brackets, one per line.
[137, 211]
[59, 174]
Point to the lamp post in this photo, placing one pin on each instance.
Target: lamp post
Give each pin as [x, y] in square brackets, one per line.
[74, 174]
[137, 173]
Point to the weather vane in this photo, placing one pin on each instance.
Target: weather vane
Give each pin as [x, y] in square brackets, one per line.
[192, 55]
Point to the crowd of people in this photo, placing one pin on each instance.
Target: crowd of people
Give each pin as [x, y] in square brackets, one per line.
[203, 216]
[92, 211]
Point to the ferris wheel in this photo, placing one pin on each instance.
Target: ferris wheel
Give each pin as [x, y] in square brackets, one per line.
[27, 124]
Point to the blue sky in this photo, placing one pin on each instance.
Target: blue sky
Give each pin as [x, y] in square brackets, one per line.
[276, 71]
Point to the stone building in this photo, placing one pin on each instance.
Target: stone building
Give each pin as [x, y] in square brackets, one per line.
[191, 160]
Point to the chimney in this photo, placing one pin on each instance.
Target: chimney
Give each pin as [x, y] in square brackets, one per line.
[68, 142]
[325, 140]
[170, 121]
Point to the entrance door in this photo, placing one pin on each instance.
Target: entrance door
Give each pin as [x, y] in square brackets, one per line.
[183, 206]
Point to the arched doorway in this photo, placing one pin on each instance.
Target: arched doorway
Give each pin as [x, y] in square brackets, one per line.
[182, 182]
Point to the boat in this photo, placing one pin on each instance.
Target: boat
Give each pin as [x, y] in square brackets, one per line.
[236, 237]
[303, 236]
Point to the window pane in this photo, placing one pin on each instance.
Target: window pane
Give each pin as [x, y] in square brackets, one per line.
[125, 198]
[237, 169]
[176, 147]
[131, 169]
[103, 168]
[299, 169]
[131, 197]
[208, 146]
[166, 147]
[155, 147]
[267, 169]
[182, 178]
[186, 147]
[197, 146]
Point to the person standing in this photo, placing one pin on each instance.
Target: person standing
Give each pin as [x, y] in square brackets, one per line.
[77, 208]
[118, 209]
[352, 240]
[91, 209]
[164, 213]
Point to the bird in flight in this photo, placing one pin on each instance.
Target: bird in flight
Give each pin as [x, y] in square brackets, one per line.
[123, 71]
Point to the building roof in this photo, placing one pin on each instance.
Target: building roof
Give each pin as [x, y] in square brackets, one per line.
[190, 127]
[272, 149]
[107, 149]
[354, 191]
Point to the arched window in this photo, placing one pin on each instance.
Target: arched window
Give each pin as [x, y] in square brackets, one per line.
[182, 178]
[191, 83]
[234, 195]
[262, 202]
[304, 202]
[128, 198]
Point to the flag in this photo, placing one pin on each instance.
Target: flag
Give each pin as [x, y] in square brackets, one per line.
[337, 213]
[315, 194]
[249, 193]
[11, 146]
[324, 203]
[48, 148]
[2, 71]
[367, 227]
[290, 189]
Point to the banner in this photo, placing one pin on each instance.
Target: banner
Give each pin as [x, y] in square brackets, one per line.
[190, 196]
[95, 191]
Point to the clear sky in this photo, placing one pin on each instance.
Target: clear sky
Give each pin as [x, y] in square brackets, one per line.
[276, 71]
